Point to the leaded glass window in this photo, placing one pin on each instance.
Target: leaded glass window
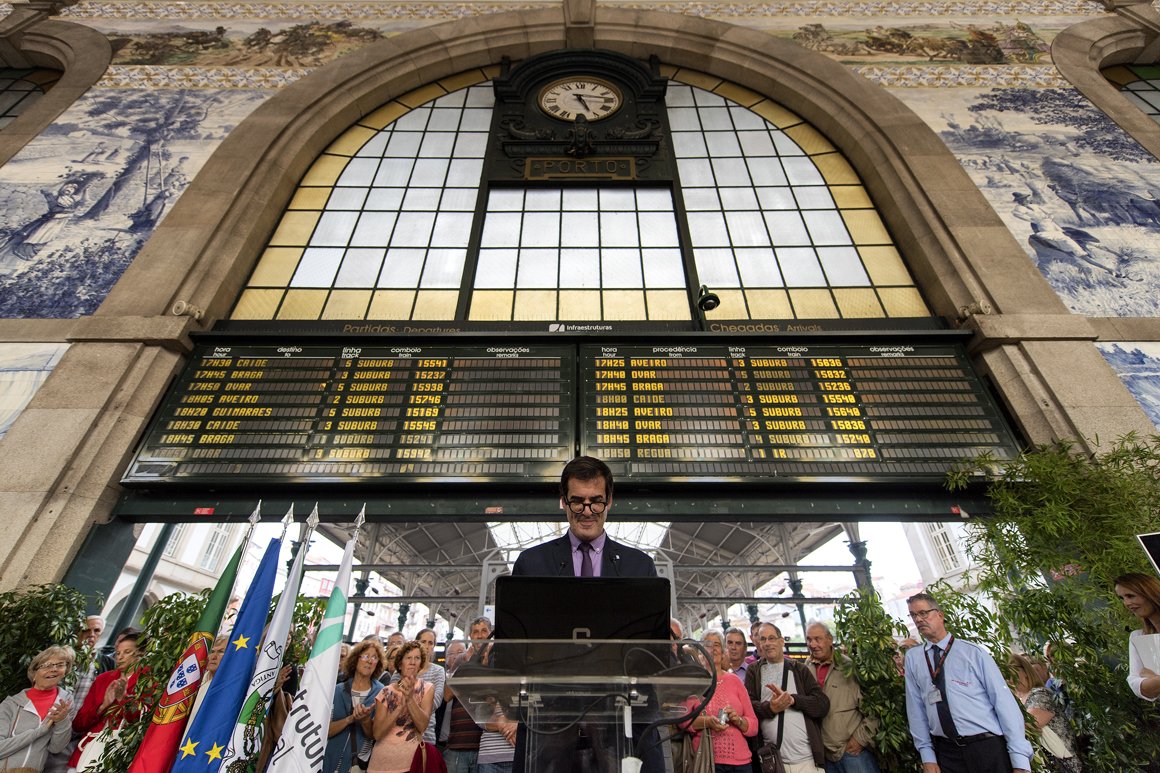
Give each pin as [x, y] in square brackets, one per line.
[20, 88]
[1140, 84]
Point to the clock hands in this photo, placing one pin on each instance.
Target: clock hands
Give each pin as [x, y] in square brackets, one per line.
[580, 99]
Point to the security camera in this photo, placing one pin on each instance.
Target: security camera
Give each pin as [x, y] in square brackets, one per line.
[707, 301]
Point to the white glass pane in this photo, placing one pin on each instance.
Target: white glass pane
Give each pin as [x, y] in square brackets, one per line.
[730, 171]
[756, 143]
[465, 173]
[716, 268]
[458, 199]
[385, 198]
[842, 266]
[470, 145]
[374, 147]
[695, 173]
[414, 121]
[747, 229]
[537, 269]
[421, 199]
[801, 171]
[684, 119]
[360, 268]
[618, 229]
[546, 200]
[403, 144]
[317, 267]
[541, 229]
[785, 146]
[501, 229]
[826, 227]
[401, 268]
[394, 172]
[1135, 100]
[707, 229]
[620, 268]
[715, 119]
[496, 269]
[678, 95]
[654, 199]
[334, 229]
[700, 198]
[374, 229]
[579, 269]
[480, 96]
[767, 171]
[744, 118]
[738, 198]
[454, 99]
[430, 172]
[437, 145]
[620, 199]
[475, 120]
[722, 144]
[663, 268]
[413, 229]
[452, 229]
[814, 197]
[576, 199]
[580, 229]
[786, 228]
[347, 198]
[444, 268]
[776, 198]
[658, 229]
[800, 267]
[689, 144]
[758, 268]
[359, 171]
[707, 98]
[443, 121]
[505, 200]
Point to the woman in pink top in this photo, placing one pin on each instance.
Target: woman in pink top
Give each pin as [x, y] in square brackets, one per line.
[728, 716]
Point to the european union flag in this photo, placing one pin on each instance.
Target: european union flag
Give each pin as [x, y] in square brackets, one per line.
[206, 739]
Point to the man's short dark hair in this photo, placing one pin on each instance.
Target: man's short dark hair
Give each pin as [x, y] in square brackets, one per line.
[585, 468]
[929, 599]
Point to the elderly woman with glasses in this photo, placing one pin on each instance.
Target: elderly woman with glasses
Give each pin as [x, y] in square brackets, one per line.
[351, 729]
[34, 722]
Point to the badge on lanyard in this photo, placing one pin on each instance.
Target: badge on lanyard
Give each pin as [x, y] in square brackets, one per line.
[935, 694]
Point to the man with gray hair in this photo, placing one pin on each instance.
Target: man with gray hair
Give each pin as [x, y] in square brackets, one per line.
[847, 733]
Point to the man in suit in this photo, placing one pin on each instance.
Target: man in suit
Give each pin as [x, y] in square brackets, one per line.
[585, 551]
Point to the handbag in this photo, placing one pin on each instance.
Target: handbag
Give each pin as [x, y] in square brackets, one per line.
[702, 759]
[769, 755]
[1054, 744]
[427, 759]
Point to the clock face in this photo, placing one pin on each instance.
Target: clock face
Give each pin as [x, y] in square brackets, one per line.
[568, 98]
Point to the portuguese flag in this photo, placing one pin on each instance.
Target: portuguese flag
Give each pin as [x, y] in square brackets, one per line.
[159, 747]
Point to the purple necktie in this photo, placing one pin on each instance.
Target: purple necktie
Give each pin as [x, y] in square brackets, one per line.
[586, 559]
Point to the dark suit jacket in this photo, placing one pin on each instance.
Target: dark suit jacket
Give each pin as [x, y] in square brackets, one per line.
[554, 559]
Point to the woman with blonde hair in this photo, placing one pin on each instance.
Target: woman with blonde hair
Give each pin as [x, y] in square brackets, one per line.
[402, 711]
[1140, 594]
[34, 722]
[1044, 707]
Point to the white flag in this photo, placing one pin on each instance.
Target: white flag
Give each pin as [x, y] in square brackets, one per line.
[246, 741]
[302, 747]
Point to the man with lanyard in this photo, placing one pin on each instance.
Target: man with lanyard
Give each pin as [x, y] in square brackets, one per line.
[963, 716]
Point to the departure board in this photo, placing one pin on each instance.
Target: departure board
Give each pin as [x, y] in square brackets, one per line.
[243, 414]
[798, 413]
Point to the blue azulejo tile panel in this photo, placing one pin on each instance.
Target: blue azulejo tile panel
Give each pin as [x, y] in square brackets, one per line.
[1138, 366]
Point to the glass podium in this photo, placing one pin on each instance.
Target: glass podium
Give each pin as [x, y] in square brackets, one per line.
[617, 691]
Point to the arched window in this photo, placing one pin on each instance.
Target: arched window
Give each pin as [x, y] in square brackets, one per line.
[389, 224]
[1140, 84]
[20, 88]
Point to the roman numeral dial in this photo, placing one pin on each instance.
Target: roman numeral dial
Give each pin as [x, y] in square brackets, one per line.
[568, 98]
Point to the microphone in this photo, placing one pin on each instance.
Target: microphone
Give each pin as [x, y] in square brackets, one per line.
[616, 563]
[560, 569]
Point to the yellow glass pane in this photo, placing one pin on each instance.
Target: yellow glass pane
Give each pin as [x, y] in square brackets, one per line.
[699, 79]
[776, 114]
[579, 304]
[535, 304]
[391, 304]
[769, 304]
[421, 95]
[836, 169]
[668, 70]
[738, 94]
[492, 71]
[813, 304]
[858, 302]
[276, 267]
[809, 139]
[851, 197]
[388, 113]
[903, 302]
[257, 304]
[352, 141]
[463, 80]
[1120, 76]
[347, 304]
[865, 226]
[732, 306]
[436, 304]
[295, 229]
[667, 304]
[302, 304]
[326, 170]
[491, 304]
[885, 266]
[310, 198]
[624, 304]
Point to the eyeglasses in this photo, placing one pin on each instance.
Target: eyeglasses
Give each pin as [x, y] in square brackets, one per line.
[922, 614]
[369, 658]
[597, 506]
[54, 664]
